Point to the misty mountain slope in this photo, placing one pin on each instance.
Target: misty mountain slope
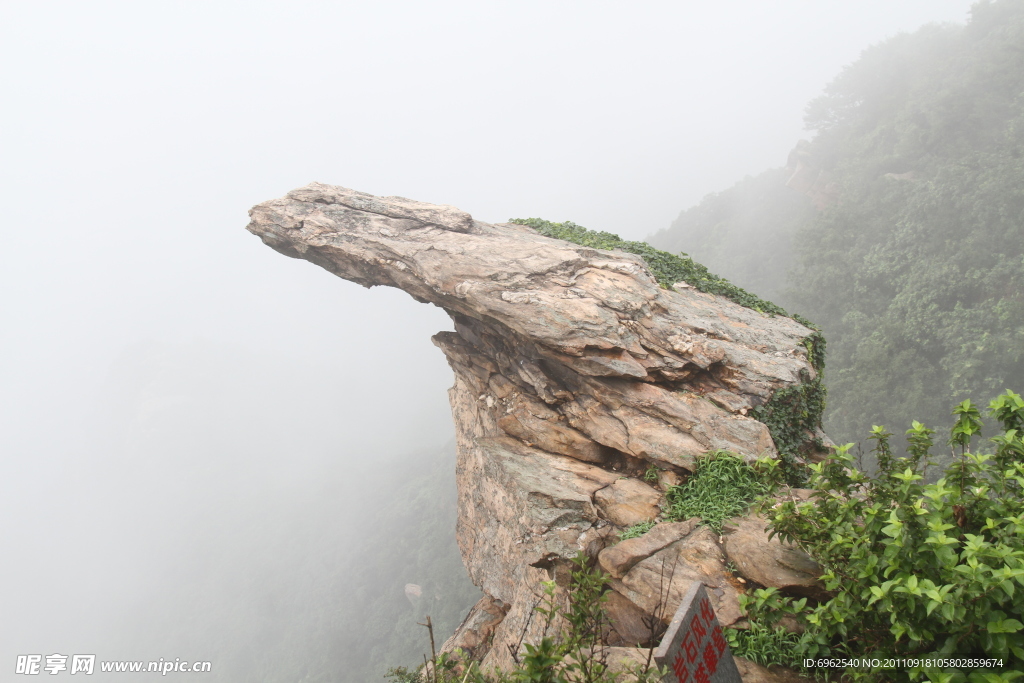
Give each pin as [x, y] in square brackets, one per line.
[744, 233]
[418, 547]
[913, 266]
[278, 552]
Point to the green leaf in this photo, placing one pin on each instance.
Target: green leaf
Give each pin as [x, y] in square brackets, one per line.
[1004, 626]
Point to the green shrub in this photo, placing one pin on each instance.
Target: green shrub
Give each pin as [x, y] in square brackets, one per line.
[918, 569]
[722, 486]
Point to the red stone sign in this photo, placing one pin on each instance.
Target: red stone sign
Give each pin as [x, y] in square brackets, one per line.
[694, 647]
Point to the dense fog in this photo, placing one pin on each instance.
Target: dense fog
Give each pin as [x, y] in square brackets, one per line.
[202, 441]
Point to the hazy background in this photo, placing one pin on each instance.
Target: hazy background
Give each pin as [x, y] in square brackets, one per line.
[172, 389]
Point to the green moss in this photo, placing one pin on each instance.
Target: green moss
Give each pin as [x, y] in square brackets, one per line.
[667, 268]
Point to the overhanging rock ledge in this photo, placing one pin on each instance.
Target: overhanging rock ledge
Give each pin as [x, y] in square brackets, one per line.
[575, 373]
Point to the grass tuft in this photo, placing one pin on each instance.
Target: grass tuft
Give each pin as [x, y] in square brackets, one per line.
[723, 486]
[765, 645]
[636, 530]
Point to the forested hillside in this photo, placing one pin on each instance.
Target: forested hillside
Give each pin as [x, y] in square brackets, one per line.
[902, 230]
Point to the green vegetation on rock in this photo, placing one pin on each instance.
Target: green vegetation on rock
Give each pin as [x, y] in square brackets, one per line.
[766, 642]
[637, 530]
[722, 486]
[792, 416]
[667, 268]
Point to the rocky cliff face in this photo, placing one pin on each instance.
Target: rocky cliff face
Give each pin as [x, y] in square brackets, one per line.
[575, 373]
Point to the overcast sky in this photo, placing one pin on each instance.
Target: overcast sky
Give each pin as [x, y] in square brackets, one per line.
[134, 136]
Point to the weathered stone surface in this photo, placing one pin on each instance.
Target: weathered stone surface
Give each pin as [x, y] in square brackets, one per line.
[623, 556]
[751, 672]
[443, 216]
[770, 562]
[530, 506]
[533, 423]
[626, 502]
[629, 625]
[625, 660]
[573, 368]
[601, 310]
[474, 635]
[658, 583]
[667, 479]
[522, 624]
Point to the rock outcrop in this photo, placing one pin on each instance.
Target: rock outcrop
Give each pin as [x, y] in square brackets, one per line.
[575, 373]
[769, 561]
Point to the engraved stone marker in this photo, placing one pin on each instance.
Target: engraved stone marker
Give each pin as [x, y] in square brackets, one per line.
[694, 647]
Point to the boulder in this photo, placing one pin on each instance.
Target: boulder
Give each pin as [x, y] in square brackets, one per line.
[658, 583]
[768, 561]
[626, 502]
[752, 672]
[621, 557]
[628, 625]
[473, 636]
[667, 479]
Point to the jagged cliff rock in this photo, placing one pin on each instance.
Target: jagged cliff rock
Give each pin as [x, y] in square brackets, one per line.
[574, 373]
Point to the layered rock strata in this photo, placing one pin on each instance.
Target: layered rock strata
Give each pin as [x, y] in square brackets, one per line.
[575, 373]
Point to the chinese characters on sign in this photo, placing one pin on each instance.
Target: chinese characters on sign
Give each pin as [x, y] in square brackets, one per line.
[694, 647]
